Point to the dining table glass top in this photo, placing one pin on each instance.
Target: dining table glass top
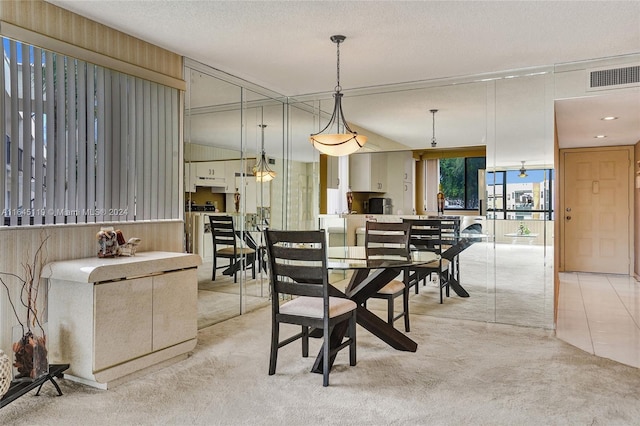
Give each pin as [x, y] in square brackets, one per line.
[355, 257]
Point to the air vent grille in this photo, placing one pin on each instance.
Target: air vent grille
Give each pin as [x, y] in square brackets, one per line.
[615, 77]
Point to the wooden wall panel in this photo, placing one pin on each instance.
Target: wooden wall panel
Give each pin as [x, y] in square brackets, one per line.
[49, 20]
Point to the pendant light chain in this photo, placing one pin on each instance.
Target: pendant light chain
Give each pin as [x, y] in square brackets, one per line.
[338, 88]
[433, 138]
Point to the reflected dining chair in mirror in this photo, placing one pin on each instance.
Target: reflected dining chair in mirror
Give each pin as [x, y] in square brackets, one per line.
[298, 272]
[426, 235]
[390, 239]
[226, 245]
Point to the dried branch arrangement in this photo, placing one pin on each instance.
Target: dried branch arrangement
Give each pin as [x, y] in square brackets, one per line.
[30, 351]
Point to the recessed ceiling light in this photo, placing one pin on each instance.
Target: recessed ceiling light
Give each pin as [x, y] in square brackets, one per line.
[600, 136]
[609, 118]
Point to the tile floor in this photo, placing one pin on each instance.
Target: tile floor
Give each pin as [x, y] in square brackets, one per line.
[600, 314]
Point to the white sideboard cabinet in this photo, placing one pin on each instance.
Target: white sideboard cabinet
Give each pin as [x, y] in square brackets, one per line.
[110, 318]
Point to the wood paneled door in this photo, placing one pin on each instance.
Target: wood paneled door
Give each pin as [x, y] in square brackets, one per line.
[596, 210]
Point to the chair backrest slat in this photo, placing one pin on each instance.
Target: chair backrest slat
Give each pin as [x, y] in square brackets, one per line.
[426, 234]
[298, 263]
[387, 239]
[222, 231]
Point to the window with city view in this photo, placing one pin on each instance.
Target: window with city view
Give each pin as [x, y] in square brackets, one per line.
[510, 196]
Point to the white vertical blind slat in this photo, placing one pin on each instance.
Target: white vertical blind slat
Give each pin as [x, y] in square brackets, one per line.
[50, 148]
[115, 124]
[81, 215]
[3, 132]
[38, 173]
[14, 135]
[174, 160]
[162, 153]
[139, 164]
[154, 152]
[101, 165]
[91, 145]
[26, 135]
[148, 181]
[60, 141]
[72, 145]
[128, 213]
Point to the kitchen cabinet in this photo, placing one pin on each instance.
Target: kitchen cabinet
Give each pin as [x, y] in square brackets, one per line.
[210, 173]
[368, 172]
[333, 176]
[190, 177]
[110, 318]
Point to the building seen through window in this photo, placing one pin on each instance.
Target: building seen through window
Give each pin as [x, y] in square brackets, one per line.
[512, 197]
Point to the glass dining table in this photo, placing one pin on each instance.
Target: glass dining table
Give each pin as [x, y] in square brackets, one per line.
[370, 275]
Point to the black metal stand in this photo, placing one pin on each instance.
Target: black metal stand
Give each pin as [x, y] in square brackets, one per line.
[19, 388]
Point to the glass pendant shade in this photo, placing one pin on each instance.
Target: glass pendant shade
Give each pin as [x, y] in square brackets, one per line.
[523, 172]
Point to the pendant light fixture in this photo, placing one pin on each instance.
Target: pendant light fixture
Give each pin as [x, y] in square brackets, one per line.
[261, 170]
[433, 138]
[523, 172]
[343, 140]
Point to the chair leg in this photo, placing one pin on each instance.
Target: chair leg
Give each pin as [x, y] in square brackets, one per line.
[390, 310]
[213, 275]
[352, 336]
[275, 336]
[405, 302]
[325, 357]
[305, 341]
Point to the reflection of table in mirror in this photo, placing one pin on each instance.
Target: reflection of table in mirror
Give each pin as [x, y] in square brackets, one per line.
[516, 237]
[369, 276]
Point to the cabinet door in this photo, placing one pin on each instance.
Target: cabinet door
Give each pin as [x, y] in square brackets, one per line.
[190, 177]
[210, 173]
[379, 172]
[122, 326]
[250, 189]
[231, 168]
[333, 180]
[360, 172]
[175, 308]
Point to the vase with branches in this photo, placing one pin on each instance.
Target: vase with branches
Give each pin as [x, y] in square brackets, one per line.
[29, 348]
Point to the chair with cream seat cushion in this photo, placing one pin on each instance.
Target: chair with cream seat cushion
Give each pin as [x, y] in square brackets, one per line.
[391, 240]
[226, 246]
[298, 270]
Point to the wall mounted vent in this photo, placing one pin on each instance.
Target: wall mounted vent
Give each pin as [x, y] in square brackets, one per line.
[613, 78]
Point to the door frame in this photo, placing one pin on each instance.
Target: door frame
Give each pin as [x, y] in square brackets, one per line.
[561, 199]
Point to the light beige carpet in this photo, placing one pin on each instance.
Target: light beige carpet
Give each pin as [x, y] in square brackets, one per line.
[464, 373]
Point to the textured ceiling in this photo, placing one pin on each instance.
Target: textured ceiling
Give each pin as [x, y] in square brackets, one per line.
[284, 45]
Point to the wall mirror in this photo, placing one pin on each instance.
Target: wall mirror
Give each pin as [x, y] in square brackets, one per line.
[510, 278]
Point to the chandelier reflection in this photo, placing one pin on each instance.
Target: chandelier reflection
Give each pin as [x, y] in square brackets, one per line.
[261, 170]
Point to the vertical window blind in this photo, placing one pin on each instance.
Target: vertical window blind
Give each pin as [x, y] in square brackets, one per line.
[84, 143]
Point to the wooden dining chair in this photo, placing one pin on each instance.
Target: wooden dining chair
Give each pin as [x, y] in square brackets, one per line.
[298, 268]
[225, 246]
[426, 235]
[391, 239]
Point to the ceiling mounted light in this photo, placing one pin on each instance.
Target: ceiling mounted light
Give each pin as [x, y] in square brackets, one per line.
[523, 171]
[433, 138]
[343, 141]
[600, 136]
[609, 118]
[261, 170]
